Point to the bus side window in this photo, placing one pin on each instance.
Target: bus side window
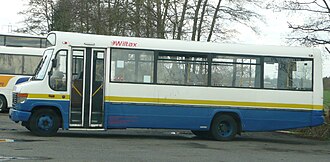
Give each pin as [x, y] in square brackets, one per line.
[134, 66]
[58, 75]
[288, 73]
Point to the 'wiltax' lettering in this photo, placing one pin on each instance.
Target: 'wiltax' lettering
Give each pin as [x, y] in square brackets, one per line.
[124, 43]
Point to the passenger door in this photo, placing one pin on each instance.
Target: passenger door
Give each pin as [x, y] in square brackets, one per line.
[87, 88]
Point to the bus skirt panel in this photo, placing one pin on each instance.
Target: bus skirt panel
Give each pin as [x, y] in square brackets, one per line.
[200, 118]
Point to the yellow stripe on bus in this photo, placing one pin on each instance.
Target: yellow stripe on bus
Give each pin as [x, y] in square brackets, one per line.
[211, 103]
[4, 80]
[49, 96]
[189, 102]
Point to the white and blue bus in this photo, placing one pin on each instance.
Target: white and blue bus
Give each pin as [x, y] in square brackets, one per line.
[19, 57]
[94, 82]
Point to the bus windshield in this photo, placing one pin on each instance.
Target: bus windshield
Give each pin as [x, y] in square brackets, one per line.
[42, 67]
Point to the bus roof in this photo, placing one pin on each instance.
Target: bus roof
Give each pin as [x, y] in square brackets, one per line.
[21, 50]
[21, 35]
[78, 39]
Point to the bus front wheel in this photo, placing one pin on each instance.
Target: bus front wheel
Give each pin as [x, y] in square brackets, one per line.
[44, 122]
[3, 104]
[224, 128]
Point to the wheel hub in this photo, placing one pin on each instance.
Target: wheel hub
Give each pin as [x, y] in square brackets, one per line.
[224, 129]
[45, 122]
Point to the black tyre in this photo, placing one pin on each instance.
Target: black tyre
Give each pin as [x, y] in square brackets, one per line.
[26, 125]
[224, 128]
[44, 123]
[3, 104]
[202, 134]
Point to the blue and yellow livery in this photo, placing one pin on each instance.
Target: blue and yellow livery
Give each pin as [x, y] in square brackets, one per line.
[214, 90]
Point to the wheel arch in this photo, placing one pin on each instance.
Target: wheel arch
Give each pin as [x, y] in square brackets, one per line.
[50, 107]
[3, 96]
[6, 101]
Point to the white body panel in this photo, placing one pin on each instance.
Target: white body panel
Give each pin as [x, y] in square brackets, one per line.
[209, 93]
[23, 51]
[68, 40]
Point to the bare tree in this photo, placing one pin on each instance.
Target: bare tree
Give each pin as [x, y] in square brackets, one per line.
[166, 7]
[39, 16]
[194, 31]
[182, 18]
[98, 27]
[62, 17]
[137, 14]
[177, 19]
[199, 33]
[315, 29]
[214, 20]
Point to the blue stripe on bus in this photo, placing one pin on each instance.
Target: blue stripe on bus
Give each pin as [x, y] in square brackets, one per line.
[184, 117]
[21, 80]
[187, 117]
[28, 105]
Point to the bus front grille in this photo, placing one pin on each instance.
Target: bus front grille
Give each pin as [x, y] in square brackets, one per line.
[14, 99]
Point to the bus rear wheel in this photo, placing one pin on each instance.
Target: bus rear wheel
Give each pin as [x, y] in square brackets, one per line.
[3, 104]
[224, 128]
[44, 122]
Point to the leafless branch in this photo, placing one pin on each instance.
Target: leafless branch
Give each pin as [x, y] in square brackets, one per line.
[309, 40]
[327, 6]
[326, 48]
[310, 28]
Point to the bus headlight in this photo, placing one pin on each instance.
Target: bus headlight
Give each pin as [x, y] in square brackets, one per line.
[21, 97]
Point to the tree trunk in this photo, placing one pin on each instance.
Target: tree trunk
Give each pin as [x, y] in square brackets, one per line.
[159, 18]
[149, 20]
[213, 21]
[137, 18]
[199, 33]
[109, 15]
[164, 18]
[184, 9]
[175, 23]
[327, 5]
[81, 15]
[195, 20]
[98, 19]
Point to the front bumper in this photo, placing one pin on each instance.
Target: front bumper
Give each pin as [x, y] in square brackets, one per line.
[17, 115]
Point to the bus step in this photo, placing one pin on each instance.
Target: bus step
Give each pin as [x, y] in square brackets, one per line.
[96, 121]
